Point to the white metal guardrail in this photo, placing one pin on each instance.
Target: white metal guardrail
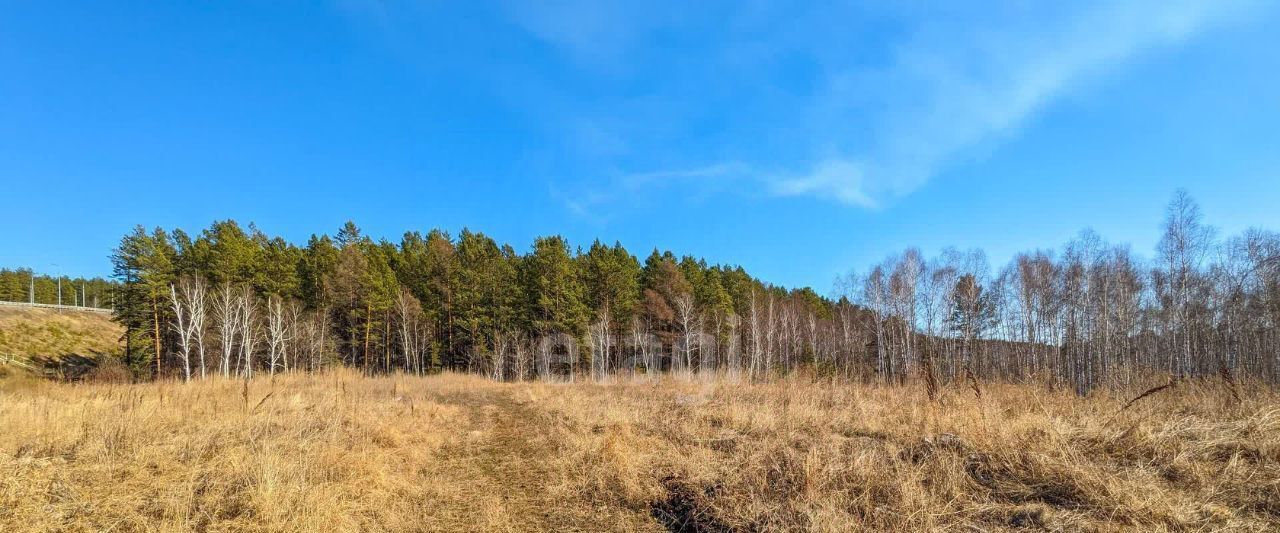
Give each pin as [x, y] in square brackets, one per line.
[11, 359]
[56, 306]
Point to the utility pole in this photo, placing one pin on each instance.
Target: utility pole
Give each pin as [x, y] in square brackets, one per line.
[31, 291]
[58, 268]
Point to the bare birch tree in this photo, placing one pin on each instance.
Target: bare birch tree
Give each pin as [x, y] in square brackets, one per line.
[278, 334]
[227, 314]
[182, 326]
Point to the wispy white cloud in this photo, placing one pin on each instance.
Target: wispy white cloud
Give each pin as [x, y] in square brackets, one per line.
[591, 202]
[594, 32]
[730, 169]
[876, 126]
[953, 88]
[839, 179]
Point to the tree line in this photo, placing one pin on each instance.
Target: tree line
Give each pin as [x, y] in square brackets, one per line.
[1090, 314]
[235, 301]
[24, 285]
[232, 300]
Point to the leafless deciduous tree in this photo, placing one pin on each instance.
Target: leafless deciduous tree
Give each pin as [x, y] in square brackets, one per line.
[227, 314]
[183, 325]
[279, 334]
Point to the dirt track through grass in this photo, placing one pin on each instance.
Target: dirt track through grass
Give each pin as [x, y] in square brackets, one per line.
[509, 452]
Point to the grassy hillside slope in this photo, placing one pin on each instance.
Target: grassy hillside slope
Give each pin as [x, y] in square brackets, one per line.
[33, 338]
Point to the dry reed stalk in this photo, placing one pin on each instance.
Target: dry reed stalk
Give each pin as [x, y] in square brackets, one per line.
[1172, 382]
[1232, 386]
[973, 382]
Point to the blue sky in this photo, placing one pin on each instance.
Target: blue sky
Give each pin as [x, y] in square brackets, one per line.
[798, 139]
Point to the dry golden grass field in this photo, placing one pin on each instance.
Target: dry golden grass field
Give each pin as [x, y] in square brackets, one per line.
[345, 452]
